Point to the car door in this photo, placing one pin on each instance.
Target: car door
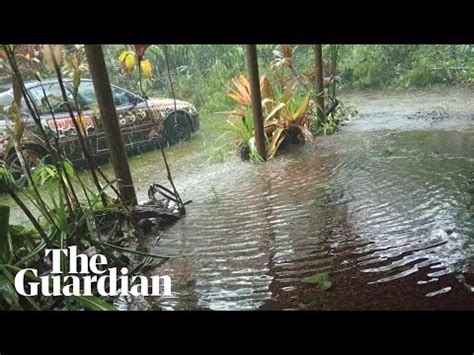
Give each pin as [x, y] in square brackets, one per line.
[133, 117]
[131, 114]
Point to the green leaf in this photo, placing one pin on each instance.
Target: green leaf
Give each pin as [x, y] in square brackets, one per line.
[17, 231]
[8, 293]
[325, 285]
[76, 80]
[301, 109]
[5, 240]
[275, 110]
[94, 303]
[322, 279]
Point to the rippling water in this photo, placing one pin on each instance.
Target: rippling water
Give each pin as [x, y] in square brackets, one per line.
[386, 201]
[385, 206]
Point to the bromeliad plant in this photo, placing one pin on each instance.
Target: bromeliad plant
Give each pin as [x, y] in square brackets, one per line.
[285, 116]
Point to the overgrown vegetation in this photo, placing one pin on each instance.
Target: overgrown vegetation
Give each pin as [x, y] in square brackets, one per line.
[200, 72]
[90, 214]
[405, 66]
[289, 104]
[285, 117]
[71, 212]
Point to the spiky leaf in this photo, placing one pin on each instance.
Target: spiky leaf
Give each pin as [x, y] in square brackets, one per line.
[94, 303]
[8, 293]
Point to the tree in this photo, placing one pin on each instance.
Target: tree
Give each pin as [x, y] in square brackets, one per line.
[100, 79]
[252, 64]
[319, 82]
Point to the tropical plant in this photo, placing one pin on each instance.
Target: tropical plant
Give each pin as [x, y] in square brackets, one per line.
[64, 218]
[285, 115]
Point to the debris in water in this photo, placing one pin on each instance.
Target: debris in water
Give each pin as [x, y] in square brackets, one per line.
[439, 292]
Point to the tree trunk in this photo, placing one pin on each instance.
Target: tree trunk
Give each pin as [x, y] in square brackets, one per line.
[254, 79]
[319, 82]
[100, 79]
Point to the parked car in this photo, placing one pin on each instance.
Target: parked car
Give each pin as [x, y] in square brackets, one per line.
[170, 122]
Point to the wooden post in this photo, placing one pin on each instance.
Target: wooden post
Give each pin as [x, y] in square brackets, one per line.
[100, 79]
[319, 82]
[254, 79]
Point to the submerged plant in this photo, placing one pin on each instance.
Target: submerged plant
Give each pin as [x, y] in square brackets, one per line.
[322, 279]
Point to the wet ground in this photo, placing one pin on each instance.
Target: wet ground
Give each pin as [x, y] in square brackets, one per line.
[384, 207]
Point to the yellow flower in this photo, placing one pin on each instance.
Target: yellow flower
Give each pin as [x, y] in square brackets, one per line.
[127, 58]
[145, 65]
[129, 62]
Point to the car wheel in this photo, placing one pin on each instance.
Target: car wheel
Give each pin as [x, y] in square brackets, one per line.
[32, 160]
[178, 127]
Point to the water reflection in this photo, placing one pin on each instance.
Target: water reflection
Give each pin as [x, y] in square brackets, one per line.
[389, 203]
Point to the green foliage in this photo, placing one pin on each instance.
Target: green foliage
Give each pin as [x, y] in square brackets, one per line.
[330, 126]
[44, 172]
[242, 126]
[93, 303]
[60, 216]
[334, 120]
[5, 239]
[284, 115]
[198, 72]
[321, 279]
[403, 66]
[6, 177]
[8, 293]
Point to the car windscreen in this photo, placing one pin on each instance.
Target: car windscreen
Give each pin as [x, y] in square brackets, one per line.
[53, 95]
[121, 97]
[53, 98]
[87, 94]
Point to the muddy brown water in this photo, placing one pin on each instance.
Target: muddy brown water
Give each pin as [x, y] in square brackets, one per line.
[385, 207]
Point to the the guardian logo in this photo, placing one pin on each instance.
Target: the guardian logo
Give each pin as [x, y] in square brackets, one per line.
[83, 273]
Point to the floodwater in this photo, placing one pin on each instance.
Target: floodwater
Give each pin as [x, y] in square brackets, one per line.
[385, 207]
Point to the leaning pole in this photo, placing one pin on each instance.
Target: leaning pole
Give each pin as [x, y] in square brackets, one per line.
[100, 79]
[254, 79]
